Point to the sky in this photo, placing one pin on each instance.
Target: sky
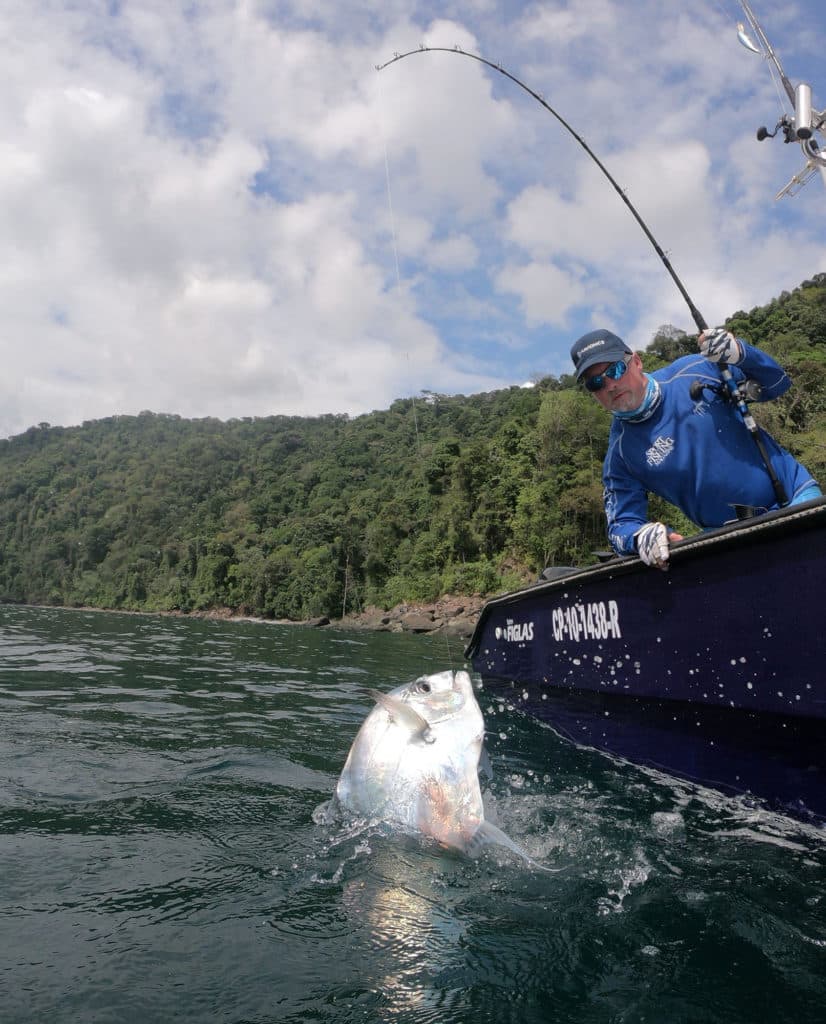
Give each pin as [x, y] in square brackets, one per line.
[224, 208]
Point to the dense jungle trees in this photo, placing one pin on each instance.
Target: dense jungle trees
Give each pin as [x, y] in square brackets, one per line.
[293, 517]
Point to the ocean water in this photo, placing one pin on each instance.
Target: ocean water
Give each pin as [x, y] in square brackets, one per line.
[159, 858]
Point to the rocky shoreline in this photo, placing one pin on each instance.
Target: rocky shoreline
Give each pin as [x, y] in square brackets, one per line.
[455, 616]
[451, 615]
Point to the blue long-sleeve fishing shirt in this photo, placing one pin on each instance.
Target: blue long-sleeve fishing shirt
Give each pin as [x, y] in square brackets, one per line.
[698, 455]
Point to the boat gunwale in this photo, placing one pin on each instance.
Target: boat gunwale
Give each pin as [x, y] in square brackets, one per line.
[745, 531]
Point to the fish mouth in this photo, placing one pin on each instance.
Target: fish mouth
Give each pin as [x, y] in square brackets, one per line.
[446, 705]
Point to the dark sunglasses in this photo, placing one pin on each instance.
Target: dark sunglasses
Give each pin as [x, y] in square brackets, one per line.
[613, 372]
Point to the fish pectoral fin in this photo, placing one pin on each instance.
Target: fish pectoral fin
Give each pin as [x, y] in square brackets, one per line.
[487, 834]
[402, 714]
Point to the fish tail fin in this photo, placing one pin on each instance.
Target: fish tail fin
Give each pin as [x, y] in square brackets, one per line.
[487, 834]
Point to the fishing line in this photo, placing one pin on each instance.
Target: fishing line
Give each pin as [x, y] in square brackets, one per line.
[407, 354]
[392, 218]
[782, 95]
[738, 19]
[399, 280]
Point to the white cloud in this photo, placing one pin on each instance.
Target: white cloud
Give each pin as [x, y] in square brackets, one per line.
[546, 293]
[562, 24]
[195, 214]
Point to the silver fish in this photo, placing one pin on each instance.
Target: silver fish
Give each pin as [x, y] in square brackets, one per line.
[415, 764]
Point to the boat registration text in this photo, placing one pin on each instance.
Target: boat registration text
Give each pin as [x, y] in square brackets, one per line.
[597, 620]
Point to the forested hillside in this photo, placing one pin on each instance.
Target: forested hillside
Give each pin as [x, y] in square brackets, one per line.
[296, 517]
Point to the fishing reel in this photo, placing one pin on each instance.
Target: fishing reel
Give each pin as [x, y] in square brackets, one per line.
[785, 123]
[744, 391]
[799, 127]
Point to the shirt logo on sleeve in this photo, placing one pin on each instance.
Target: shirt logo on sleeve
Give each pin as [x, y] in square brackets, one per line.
[659, 451]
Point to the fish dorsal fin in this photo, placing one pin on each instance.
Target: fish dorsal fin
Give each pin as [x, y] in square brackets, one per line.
[402, 714]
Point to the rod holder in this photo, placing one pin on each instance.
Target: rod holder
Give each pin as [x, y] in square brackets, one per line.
[803, 111]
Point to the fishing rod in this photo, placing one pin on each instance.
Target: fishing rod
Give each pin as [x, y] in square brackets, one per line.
[731, 389]
[697, 316]
[768, 49]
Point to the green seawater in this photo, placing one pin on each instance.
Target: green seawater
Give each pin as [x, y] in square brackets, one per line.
[159, 859]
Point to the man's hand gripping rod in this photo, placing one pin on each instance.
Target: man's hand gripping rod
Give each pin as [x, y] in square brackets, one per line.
[739, 395]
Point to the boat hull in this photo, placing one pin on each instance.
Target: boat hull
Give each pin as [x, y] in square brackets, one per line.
[712, 671]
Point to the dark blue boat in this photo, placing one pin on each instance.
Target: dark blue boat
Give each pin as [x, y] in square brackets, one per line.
[712, 671]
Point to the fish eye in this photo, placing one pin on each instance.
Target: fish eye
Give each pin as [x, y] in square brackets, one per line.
[423, 686]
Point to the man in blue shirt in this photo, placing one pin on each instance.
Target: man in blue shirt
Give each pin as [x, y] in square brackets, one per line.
[694, 451]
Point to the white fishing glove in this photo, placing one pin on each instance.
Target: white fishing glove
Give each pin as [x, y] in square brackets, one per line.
[652, 544]
[720, 346]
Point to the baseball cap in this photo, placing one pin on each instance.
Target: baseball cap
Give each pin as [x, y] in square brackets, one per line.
[599, 346]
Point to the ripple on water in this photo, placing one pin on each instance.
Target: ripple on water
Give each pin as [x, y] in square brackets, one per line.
[159, 859]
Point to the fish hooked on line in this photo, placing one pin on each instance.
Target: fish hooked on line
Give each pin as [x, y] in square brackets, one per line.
[414, 765]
